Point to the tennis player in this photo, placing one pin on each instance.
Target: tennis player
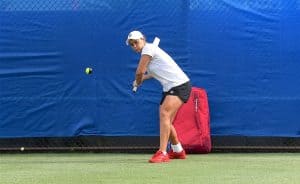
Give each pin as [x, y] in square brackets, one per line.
[156, 63]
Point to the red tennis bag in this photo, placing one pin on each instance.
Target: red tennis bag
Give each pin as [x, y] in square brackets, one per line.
[192, 123]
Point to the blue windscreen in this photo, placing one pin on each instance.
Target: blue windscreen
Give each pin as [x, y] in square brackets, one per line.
[244, 53]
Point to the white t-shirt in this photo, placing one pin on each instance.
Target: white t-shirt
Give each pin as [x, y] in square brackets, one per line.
[163, 68]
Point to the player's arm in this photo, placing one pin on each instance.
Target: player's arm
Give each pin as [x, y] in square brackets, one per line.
[142, 68]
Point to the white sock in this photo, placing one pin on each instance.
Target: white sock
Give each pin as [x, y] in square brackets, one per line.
[164, 152]
[177, 148]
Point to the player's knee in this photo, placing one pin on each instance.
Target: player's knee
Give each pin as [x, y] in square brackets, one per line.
[165, 113]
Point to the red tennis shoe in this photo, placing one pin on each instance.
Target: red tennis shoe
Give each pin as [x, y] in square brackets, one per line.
[159, 157]
[174, 155]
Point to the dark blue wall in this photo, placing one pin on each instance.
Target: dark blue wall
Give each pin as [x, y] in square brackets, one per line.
[245, 54]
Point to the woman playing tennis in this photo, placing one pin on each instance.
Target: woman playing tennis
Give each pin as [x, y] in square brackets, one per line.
[156, 63]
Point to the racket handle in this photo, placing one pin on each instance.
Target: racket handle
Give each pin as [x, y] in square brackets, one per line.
[156, 41]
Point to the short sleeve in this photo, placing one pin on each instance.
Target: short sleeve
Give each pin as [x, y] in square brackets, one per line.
[148, 50]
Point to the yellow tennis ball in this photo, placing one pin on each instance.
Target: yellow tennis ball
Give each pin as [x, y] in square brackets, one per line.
[88, 70]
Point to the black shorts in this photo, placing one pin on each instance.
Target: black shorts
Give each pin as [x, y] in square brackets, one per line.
[182, 91]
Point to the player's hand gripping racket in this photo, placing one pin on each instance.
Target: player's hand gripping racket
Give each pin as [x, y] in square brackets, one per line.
[134, 84]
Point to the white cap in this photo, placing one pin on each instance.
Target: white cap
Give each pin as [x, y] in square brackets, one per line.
[134, 35]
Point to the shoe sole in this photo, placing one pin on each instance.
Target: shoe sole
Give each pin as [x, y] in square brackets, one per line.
[164, 161]
[178, 158]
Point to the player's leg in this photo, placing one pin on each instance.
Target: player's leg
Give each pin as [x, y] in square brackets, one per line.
[176, 151]
[167, 112]
[173, 136]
